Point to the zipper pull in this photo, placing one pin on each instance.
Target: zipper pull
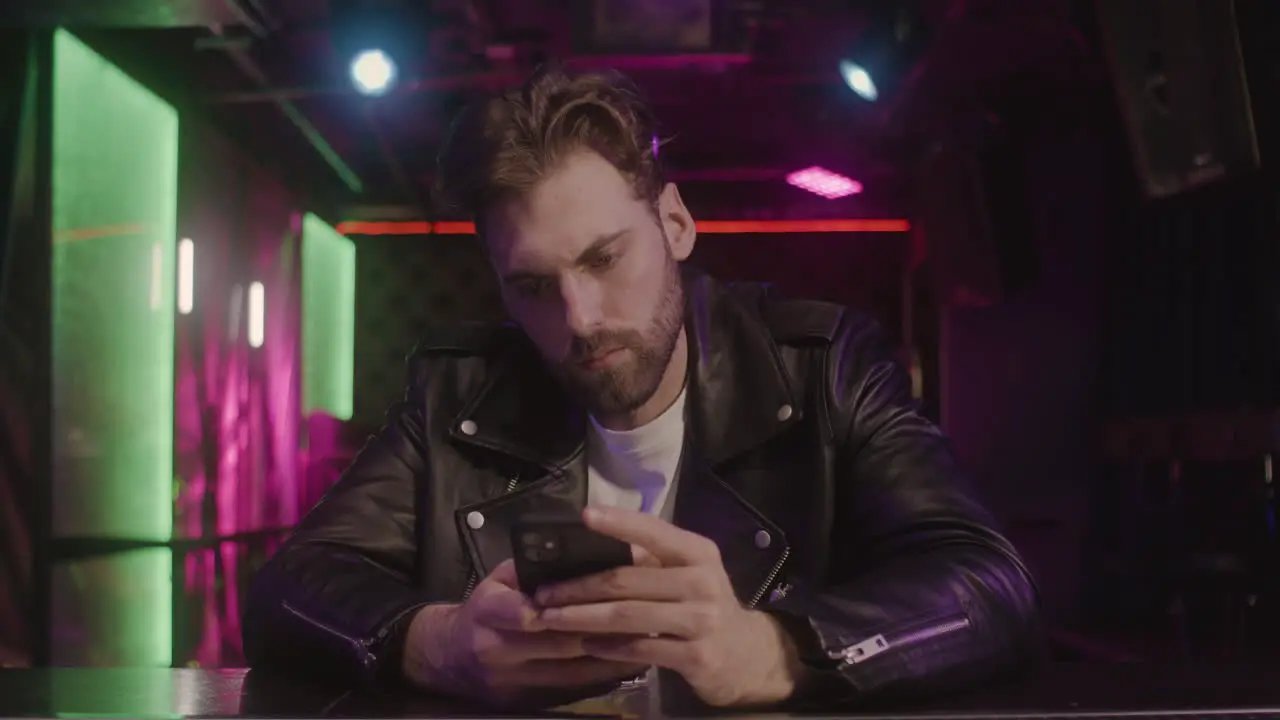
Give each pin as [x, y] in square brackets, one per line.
[863, 651]
[780, 592]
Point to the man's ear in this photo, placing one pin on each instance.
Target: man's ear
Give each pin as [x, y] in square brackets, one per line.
[680, 228]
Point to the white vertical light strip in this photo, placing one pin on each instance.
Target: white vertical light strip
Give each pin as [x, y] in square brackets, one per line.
[157, 274]
[257, 314]
[186, 275]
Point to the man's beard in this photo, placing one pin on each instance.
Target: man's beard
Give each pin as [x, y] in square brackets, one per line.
[628, 384]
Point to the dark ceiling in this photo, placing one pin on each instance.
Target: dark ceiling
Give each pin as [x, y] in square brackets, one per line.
[267, 72]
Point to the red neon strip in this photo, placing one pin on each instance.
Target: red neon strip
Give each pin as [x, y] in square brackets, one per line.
[384, 228]
[455, 228]
[782, 227]
[710, 227]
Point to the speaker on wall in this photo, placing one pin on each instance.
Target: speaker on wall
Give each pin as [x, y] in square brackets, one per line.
[1178, 72]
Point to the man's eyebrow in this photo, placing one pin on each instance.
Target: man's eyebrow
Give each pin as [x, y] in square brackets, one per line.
[600, 243]
[596, 246]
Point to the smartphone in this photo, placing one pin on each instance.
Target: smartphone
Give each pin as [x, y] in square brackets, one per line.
[553, 549]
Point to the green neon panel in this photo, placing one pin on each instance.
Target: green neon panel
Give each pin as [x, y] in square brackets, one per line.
[114, 610]
[328, 319]
[115, 181]
[83, 693]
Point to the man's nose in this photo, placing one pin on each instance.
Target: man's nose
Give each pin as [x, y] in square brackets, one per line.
[581, 305]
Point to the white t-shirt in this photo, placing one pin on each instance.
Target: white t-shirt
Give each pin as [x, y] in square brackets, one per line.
[634, 469]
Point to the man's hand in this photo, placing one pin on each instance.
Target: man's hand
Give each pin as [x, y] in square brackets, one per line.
[495, 648]
[680, 614]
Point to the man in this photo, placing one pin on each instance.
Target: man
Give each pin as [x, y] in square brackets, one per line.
[803, 533]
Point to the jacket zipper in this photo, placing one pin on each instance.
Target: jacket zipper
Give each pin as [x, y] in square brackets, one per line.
[768, 580]
[474, 578]
[877, 644]
[361, 646]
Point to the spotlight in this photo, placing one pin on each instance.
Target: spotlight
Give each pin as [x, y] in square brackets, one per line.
[890, 46]
[373, 72]
[375, 44]
[859, 80]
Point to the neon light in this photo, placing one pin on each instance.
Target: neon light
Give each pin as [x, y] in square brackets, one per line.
[186, 275]
[454, 228]
[709, 227]
[789, 227]
[114, 192]
[821, 181]
[257, 314]
[387, 228]
[328, 320]
[157, 275]
[104, 231]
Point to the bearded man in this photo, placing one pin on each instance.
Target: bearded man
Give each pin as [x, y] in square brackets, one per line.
[806, 534]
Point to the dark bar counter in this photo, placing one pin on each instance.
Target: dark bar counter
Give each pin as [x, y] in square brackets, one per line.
[1062, 691]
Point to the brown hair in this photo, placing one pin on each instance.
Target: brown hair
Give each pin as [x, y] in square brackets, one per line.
[503, 146]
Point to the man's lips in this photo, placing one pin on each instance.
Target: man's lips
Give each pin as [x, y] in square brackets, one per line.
[601, 361]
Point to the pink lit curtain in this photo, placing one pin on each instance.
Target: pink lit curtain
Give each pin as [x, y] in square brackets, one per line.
[236, 405]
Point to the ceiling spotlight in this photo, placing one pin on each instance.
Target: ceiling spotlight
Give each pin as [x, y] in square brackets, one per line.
[889, 48]
[859, 80]
[373, 72]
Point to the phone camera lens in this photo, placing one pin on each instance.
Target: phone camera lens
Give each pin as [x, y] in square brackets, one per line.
[540, 548]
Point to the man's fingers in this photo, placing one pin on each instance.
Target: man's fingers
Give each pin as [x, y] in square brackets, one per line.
[496, 606]
[511, 648]
[505, 574]
[643, 558]
[634, 617]
[670, 545]
[631, 583]
[669, 653]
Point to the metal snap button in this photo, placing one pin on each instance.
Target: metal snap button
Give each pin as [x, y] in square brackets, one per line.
[763, 539]
[784, 413]
[468, 427]
[475, 520]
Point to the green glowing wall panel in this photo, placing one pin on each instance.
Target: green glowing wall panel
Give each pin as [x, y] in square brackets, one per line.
[328, 319]
[114, 610]
[115, 179]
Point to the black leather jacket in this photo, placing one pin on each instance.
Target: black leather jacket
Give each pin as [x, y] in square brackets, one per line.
[834, 503]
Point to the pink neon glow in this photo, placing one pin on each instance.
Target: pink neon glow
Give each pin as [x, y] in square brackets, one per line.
[821, 181]
[237, 441]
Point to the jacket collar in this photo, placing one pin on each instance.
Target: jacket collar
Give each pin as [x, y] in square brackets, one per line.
[740, 393]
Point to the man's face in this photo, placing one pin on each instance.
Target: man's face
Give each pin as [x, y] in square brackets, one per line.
[590, 272]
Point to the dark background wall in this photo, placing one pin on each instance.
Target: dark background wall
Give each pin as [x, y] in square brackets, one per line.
[1020, 378]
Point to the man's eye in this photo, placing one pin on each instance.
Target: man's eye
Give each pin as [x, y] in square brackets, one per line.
[601, 262]
[533, 288]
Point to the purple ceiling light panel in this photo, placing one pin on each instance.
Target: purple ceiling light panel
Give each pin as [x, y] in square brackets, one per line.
[820, 181]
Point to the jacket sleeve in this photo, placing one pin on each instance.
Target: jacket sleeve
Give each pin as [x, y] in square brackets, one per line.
[922, 594]
[335, 599]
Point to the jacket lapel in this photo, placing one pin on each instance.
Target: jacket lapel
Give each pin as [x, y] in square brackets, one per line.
[740, 395]
[522, 413]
